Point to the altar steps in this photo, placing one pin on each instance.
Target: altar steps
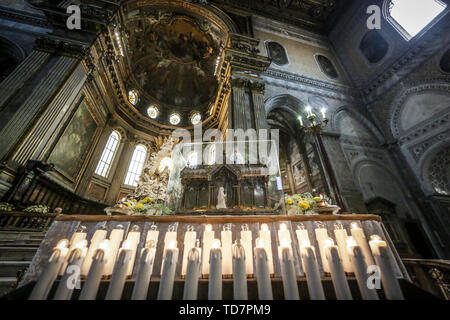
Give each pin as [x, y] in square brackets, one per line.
[410, 291]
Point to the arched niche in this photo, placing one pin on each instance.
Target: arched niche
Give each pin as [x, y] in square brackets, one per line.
[435, 170]
[348, 125]
[11, 55]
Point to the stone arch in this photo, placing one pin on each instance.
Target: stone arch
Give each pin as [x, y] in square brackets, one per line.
[424, 88]
[286, 102]
[371, 131]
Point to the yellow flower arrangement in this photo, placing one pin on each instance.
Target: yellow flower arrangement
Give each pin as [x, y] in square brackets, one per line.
[128, 204]
[317, 199]
[289, 202]
[139, 206]
[147, 200]
[304, 205]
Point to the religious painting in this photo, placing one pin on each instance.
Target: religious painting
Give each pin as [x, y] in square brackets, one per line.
[70, 151]
[327, 66]
[277, 53]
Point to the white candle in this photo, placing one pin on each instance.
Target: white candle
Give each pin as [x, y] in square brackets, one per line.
[133, 238]
[301, 120]
[262, 271]
[391, 286]
[264, 234]
[311, 269]
[227, 241]
[189, 242]
[119, 274]
[115, 239]
[76, 238]
[288, 271]
[360, 238]
[309, 110]
[193, 274]
[246, 242]
[165, 289]
[215, 271]
[45, 282]
[97, 238]
[321, 236]
[239, 273]
[152, 235]
[208, 237]
[75, 259]
[323, 113]
[144, 273]
[341, 239]
[340, 283]
[360, 269]
[96, 271]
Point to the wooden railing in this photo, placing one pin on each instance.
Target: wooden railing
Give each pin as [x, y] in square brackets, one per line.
[431, 275]
[25, 221]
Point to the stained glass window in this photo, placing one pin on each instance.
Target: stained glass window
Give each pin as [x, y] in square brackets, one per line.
[104, 165]
[153, 112]
[196, 118]
[133, 97]
[174, 119]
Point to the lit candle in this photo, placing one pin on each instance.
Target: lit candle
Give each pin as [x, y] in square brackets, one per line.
[301, 120]
[76, 257]
[97, 238]
[144, 273]
[45, 282]
[262, 271]
[360, 269]
[189, 242]
[96, 271]
[341, 238]
[302, 234]
[165, 289]
[239, 273]
[391, 287]
[227, 241]
[119, 274]
[246, 242]
[264, 234]
[208, 237]
[360, 238]
[193, 274]
[288, 271]
[311, 269]
[309, 110]
[215, 271]
[133, 238]
[321, 236]
[115, 239]
[76, 238]
[152, 235]
[340, 283]
[323, 113]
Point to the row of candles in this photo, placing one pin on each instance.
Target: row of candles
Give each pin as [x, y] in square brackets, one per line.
[217, 258]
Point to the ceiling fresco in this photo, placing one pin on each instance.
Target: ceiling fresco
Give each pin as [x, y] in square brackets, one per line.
[173, 58]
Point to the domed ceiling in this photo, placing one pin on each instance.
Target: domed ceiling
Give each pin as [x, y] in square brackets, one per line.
[172, 54]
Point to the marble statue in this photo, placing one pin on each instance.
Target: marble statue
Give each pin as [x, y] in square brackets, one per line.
[221, 199]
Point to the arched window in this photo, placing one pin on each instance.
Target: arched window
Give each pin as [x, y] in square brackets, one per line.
[212, 155]
[136, 165]
[410, 17]
[104, 165]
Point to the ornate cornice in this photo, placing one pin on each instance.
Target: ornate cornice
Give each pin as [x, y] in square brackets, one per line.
[60, 47]
[22, 16]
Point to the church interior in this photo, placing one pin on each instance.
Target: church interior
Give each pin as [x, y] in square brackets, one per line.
[118, 162]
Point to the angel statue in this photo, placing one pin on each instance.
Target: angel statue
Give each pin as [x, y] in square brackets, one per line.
[221, 199]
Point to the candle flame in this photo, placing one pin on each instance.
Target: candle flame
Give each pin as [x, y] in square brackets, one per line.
[284, 243]
[354, 225]
[172, 244]
[377, 241]
[62, 244]
[215, 244]
[305, 243]
[81, 244]
[104, 245]
[264, 227]
[208, 228]
[260, 243]
[328, 242]
[126, 244]
[351, 242]
[283, 227]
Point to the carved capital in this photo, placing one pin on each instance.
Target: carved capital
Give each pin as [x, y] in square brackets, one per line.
[257, 87]
[239, 83]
